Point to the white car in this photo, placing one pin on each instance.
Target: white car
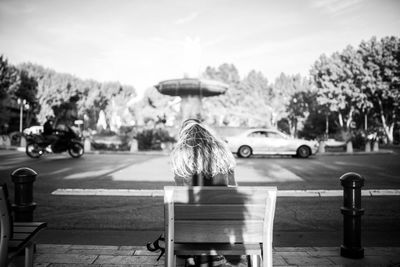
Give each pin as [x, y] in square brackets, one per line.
[270, 142]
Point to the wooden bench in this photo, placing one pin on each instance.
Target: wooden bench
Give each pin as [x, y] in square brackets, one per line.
[219, 221]
[15, 236]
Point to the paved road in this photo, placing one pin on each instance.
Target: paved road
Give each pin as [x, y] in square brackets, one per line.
[380, 171]
[298, 221]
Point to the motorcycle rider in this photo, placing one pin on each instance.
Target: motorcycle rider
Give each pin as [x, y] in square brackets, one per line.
[48, 132]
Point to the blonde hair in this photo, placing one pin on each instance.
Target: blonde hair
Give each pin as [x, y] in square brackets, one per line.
[200, 150]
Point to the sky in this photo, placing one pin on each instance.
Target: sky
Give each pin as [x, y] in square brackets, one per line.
[141, 43]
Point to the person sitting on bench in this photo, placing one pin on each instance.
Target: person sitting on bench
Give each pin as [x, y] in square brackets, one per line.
[200, 158]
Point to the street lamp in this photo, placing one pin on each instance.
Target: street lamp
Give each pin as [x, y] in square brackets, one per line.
[22, 104]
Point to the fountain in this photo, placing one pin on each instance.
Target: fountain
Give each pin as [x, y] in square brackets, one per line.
[191, 90]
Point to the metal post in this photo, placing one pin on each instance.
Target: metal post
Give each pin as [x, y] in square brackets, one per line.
[352, 211]
[326, 125]
[21, 114]
[23, 206]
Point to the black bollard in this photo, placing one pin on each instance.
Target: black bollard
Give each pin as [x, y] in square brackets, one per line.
[23, 206]
[352, 211]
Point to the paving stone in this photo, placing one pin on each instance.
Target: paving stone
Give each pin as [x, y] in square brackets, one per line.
[322, 253]
[278, 261]
[74, 265]
[65, 258]
[102, 252]
[123, 260]
[326, 248]
[53, 248]
[93, 247]
[132, 265]
[348, 262]
[307, 261]
[132, 248]
[293, 249]
[292, 253]
[367, 261]
[147, 253]
[376, 251]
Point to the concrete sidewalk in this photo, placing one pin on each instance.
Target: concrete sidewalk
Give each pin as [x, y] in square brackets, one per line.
[50, 255]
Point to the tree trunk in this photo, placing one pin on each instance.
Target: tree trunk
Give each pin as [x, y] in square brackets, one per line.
[341, 120]
[390, 132]
[387, 128]
[349, 119]
[365, 122]
[293, 128]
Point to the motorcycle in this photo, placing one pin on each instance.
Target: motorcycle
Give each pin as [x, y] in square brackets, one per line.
[68, 140]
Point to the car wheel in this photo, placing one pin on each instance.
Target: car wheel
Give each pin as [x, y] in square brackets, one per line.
[244, 151]
[303, 152]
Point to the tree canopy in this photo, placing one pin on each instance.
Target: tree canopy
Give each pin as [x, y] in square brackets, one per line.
[69, 97]
[363, 80]
[356, 88]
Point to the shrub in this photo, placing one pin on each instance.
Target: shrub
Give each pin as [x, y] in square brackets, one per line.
[359, 139]
[151, 139]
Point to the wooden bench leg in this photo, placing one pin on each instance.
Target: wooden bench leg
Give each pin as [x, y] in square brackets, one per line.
[29, 255]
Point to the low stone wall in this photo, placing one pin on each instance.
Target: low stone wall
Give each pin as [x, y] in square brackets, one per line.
[5, 141]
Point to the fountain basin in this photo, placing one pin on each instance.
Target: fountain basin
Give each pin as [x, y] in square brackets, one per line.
[191, 87]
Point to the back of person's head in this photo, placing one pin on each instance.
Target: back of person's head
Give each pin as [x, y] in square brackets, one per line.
[200, 150]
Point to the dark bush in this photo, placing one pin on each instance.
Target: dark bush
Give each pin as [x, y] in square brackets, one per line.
[151, 139]
[359, 139]
[145, 139]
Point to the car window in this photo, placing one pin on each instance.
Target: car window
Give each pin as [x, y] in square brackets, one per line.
[258, 134]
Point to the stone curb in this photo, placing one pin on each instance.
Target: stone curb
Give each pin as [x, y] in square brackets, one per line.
[156, 153]
[382, 151]
[160, 192]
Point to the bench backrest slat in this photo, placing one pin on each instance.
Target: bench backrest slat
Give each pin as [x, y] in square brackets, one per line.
[219, 212]
[219, 195]
[247, 232]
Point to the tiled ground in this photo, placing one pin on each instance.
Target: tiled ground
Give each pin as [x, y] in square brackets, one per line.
[107, 256]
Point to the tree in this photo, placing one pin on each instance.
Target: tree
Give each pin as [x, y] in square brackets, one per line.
[283, 101]
[244, 104]
[255, 98]
[338, 79]
[299, 108]
[362, 81]
[69, 97]
[27, 89]
[9, 81]
[381, 79]
[217, 109]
